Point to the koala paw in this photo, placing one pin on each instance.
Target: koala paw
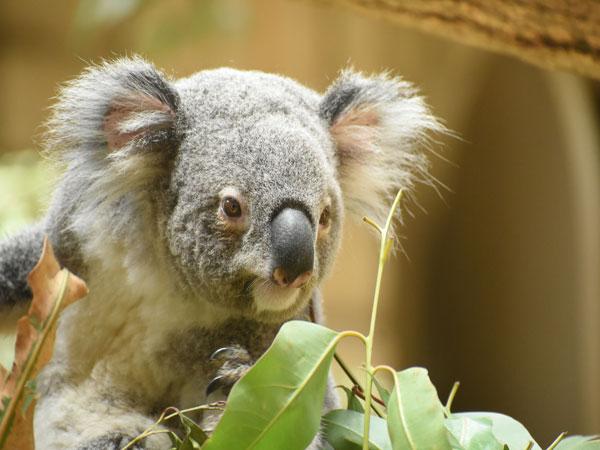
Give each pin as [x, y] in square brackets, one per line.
[230, 364]
[233, 363]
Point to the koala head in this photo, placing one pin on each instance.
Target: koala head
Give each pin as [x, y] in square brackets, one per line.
[234, 183]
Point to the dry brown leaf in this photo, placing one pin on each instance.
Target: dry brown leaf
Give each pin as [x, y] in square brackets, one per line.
[53, 290]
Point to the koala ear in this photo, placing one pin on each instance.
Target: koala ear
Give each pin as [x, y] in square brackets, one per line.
[377, 124]
[121, 114]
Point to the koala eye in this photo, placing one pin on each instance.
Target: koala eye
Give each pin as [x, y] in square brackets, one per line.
[325, 219]
[231, 207]
[233, 210]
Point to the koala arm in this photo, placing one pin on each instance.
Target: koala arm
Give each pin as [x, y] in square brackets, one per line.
[18, 255]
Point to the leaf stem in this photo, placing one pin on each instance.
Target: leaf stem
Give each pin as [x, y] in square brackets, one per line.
[557, 440]
[371, 222]
[451, 396]
[388, 369]
[163, 418]
[351, 333]
[209, 407]
[384, 248]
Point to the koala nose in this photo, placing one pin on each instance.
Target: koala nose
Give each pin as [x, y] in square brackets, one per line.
[293, 248]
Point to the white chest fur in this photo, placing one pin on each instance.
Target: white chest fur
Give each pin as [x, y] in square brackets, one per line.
[118, 332]
[111, 371]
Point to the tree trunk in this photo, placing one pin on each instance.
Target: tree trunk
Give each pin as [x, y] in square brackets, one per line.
[559, 34]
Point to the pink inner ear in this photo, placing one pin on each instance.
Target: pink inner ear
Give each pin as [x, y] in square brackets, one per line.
[114, 137]
[355, 133]
[125, 109]
[363, 116]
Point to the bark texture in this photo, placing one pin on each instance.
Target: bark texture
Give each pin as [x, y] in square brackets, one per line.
[559, 34]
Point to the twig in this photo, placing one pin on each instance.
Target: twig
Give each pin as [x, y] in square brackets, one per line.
[357, 390]
[355, 382]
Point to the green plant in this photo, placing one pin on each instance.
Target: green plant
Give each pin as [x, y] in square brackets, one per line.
[277, 404]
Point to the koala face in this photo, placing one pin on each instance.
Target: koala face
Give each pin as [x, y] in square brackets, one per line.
[258, 212]
[238, 180]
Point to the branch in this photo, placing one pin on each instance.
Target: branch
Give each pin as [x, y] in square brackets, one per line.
[555, 34]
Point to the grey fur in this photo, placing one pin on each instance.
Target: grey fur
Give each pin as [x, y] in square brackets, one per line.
[18, 255]
[171, 279]
[110, 442]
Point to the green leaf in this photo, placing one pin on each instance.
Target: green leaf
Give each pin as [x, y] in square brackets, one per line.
[175, 440]
[383, 392]
[278, 403]
[344, 431]
[579, 443]
[354, 403]
[192, 429]
[465, 433]
[506, 429]
[415, 414]
[186, 444]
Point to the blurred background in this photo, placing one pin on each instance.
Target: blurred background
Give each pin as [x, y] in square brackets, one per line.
[498, 286]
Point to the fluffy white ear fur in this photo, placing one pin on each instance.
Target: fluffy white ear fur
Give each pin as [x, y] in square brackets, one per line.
[116, 128]
[379, 125]
[115, 124]
[111, 105]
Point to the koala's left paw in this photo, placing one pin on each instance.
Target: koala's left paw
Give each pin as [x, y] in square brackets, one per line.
[232, 362]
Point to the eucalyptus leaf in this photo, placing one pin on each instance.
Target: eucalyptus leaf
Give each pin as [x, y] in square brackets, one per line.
[344, 431]
[175, 440]
[506, 429]
[579, 443]
[415, 414]
[192, 429]
[383, 392]
[465, 433]
[186, 444]
[278, 403]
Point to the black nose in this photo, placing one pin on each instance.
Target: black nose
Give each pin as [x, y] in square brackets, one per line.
[293, 247]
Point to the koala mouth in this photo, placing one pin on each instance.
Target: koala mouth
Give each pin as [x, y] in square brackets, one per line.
[268, 296]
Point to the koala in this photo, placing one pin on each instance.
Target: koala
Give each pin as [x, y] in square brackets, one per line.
[203, 213]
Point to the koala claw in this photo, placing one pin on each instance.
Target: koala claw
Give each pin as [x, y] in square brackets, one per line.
[215, 384]
[233, 362]
[234, 353]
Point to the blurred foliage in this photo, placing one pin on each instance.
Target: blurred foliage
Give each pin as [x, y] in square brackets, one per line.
[153, 30]
[25, 186]
[94, 12]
